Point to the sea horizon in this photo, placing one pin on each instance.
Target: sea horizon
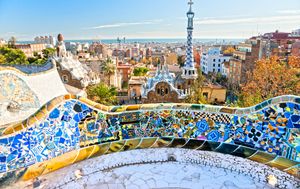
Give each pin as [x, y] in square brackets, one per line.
[151, 40]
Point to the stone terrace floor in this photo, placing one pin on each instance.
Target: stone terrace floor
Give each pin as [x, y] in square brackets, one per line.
[151, 168]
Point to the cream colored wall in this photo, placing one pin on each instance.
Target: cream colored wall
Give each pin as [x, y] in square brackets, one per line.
[137, 88]
[171, 58]
[214, 93]
[46, 86]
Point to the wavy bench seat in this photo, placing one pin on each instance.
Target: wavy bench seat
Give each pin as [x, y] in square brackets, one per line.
[69, 129]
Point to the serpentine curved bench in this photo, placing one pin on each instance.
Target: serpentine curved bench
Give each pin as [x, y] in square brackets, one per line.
[30, 69]
[69, 129]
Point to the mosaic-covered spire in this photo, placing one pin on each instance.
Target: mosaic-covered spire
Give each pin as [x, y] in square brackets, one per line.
[189, 71]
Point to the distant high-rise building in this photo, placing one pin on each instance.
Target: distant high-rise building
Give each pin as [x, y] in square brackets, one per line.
[296, 33]
[45, 40]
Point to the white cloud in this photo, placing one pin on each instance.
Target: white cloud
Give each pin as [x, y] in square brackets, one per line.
[251, 20]
[125, 24]
[19, 36]
[289, 11]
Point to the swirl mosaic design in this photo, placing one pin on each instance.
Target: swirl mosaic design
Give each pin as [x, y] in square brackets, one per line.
[14, 89]
[69, 123]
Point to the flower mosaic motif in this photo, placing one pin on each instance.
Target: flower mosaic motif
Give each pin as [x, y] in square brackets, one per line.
[73, 124]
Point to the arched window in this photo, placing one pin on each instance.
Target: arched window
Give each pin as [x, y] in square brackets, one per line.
[65, 79]
[190, 72]
[162, 92]
[158, 91]
[167, 91]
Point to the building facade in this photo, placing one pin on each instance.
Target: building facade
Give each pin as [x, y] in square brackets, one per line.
[244, 60]
[212, 61]
[163, 87]
[50, 40]
[98, 49]
[30, 49]
[279, 43]
[296, 33]
[296, 49]
[135, 86]
[213, 93]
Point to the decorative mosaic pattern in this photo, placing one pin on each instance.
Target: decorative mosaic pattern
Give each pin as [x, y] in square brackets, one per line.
[29, 69]
[67, 124]
[274, 129]
[189, 52]
[47, 139]
[189, 49]
[15, 91]
[96, 150]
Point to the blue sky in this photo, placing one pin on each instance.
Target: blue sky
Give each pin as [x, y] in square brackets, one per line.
[107, 19]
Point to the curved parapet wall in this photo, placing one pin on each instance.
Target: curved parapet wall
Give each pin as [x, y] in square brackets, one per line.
[75, 156]
[268, 132]
[30, 69]
[21, 93]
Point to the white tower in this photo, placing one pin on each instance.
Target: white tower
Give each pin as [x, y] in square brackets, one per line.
[188, 70]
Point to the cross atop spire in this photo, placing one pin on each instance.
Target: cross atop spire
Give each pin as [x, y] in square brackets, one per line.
[191, 3]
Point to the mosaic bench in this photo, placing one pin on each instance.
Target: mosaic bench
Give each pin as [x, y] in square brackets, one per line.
[69, 129]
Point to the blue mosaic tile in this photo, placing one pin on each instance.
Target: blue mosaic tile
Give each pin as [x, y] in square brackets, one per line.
[272, 129]
[213, 135]
[54, 114]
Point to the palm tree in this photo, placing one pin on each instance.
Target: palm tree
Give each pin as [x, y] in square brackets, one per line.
[12, 42]
[196, 95]
[180, 61]
[102, 93]
[109, 68]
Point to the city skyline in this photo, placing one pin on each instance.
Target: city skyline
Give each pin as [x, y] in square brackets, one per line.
[144, 19]
[149, 94]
